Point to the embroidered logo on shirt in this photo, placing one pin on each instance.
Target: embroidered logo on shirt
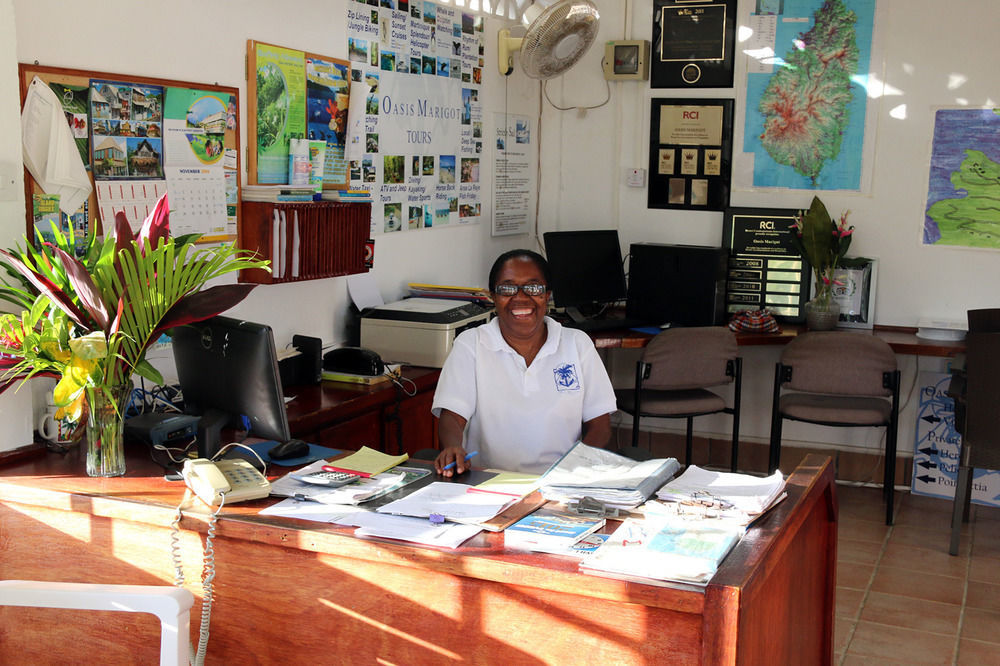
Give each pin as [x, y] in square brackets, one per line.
[566, 379]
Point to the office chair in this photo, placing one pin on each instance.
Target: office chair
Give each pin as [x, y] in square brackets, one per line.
[842, 379]
[673, 378]
[977, 410]
[172, 605]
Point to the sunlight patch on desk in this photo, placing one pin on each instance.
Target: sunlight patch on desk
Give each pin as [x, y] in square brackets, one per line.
[395, 632]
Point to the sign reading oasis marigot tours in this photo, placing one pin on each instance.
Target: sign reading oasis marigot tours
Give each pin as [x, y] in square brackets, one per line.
[420, 66]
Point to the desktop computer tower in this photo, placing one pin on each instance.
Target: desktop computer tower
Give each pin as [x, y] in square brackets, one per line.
[683, 285]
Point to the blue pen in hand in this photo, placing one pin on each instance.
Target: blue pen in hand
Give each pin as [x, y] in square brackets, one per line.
[468, 457]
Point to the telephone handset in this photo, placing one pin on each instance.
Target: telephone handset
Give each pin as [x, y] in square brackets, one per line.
[236, 478]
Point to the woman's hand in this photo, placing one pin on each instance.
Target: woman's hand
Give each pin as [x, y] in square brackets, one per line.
[452, 454]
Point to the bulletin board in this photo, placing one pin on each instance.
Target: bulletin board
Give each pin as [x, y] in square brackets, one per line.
[296, 95]
[138, 137]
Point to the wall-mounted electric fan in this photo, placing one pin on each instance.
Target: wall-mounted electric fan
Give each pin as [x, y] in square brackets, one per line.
[558, 34]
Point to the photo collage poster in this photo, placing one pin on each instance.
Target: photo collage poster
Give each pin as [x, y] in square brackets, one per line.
[421, 66]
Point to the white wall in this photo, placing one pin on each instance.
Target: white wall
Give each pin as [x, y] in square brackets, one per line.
[926, 51]
[205, 41]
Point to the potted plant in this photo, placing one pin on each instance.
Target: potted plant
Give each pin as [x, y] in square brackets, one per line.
[823, 243]
[89, 321]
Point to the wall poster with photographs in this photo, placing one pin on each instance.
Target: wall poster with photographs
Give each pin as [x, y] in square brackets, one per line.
[135, 138]
[690, 153]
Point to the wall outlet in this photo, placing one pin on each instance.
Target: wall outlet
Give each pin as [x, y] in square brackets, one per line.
[635, 177]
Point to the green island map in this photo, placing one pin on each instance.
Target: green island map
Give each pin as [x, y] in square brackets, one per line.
[963, 191]
[805, 120]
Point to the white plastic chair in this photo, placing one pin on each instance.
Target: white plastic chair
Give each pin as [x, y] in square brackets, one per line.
[171, 605]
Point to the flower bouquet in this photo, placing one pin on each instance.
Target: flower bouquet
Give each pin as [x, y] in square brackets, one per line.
[89, 321]
[823, 243]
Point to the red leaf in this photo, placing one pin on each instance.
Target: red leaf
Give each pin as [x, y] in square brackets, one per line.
[202, 305]
[156, 225]
[86, 290]
[47, 287]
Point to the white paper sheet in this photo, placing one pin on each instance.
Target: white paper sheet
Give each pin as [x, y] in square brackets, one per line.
[364, 291]
[49, 151]
[417, 530]
[450, 500]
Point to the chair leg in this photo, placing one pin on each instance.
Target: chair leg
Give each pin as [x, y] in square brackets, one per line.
[774, 451]
[963, 495]
[635, 429]
[892, 433]
[689, 441]
[737, 394]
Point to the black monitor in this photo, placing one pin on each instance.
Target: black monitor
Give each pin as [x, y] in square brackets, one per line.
[587, 271]
[228, 369]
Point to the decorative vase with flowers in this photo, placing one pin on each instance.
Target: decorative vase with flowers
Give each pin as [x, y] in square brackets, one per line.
[89, 321]
[823, 243]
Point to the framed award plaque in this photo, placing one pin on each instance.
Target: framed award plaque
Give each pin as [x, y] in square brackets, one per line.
[693, 43]
[765, 270]
[690, 153]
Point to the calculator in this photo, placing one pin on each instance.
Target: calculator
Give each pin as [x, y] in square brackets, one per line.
[330, 479]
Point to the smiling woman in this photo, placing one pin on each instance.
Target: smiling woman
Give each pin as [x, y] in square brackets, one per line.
[522, 389]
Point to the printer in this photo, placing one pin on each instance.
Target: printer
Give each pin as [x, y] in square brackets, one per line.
[419, 331]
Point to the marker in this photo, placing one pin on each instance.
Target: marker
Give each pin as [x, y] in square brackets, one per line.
[331, 468]
[468, 457]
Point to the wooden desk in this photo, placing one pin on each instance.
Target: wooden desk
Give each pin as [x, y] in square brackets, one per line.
[902, 340]
[341, 415]
[290, 591]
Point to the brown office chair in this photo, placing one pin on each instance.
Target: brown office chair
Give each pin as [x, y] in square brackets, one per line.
[836, 378]
[977, 411]
[673, 378]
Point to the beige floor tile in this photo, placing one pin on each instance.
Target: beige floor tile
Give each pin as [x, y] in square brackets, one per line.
[883, 643]
[918, 585]
[865, 552]
[981, 625]
[848, 603]
[977, 653]
[933, 539]
[984, 569]
[983, 595]
[924, 559]
[861, 530]
[900, 611]
[985, 547]
[842, 629]
[854, 575]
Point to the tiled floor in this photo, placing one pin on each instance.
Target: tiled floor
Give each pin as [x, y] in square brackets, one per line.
[901, 598]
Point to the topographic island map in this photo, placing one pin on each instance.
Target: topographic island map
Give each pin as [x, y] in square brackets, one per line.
[963, 190]
[806, 98]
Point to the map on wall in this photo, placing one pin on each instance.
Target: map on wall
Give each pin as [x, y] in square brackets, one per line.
[964, 183]
[807, 99]
[421, 64]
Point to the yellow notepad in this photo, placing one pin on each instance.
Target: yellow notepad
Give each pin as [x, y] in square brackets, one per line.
[515, 484]
[369, 461]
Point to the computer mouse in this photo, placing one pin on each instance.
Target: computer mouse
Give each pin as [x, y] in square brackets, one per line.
[293, 448]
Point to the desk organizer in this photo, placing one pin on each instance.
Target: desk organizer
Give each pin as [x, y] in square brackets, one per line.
[327, 237]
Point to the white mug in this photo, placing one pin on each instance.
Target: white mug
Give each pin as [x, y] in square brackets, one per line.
[54, 430]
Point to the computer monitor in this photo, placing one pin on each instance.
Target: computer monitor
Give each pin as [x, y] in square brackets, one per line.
[587, 271]
[227, 369]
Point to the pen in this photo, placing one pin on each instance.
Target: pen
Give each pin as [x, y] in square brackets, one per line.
[331, 468]
[468, 456]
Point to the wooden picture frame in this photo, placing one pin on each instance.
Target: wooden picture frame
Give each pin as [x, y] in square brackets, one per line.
[295, 95]
[67, 78]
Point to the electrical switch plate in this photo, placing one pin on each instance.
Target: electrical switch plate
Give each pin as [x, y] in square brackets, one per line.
[636, 177]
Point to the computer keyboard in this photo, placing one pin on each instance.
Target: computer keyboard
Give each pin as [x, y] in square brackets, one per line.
[597, 325]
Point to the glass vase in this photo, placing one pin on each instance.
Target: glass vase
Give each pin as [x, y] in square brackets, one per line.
[822, 316]
[105, 430]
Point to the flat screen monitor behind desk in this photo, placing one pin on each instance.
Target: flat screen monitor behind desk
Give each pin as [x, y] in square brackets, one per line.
[587, 270]
[228, 368]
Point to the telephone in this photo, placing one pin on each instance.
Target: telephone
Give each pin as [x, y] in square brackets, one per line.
[355, 360]
[236, 478]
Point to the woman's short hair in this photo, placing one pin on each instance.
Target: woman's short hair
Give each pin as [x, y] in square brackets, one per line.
[527, 255]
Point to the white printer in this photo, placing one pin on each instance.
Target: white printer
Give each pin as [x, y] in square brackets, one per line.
[419, 331]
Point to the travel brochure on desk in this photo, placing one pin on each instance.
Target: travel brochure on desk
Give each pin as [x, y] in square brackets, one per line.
[418, 143]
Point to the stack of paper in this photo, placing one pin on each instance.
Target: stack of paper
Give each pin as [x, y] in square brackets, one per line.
[739, 497]
[367, 462]
[448, 501]
[665, 549]
[608, 477]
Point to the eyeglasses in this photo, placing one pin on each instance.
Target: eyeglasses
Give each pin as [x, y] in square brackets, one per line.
[532, 289]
